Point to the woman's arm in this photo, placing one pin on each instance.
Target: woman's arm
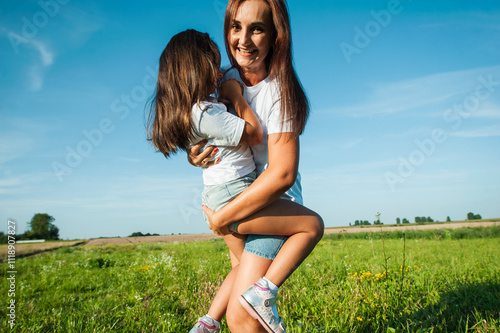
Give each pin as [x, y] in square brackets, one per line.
[252, 133]
[270, 185]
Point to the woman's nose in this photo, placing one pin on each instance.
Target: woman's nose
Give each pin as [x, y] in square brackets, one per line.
[244, 37]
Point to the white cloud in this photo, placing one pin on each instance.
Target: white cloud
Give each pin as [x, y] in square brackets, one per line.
[464, 20]
[488, 111]
[14, 145]
[47, 56]
[35, 71]
[481, 132]
[35, 78]
[83, 23]
[21, 184]
[20, 136]
[138, 195]
[426, 94]
[130, 160]
[349, 144]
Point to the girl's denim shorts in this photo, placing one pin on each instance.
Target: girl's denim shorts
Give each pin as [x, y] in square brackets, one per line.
[217, 196]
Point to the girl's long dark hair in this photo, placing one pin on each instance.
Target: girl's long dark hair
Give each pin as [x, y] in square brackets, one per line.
[188, 72]
[279, 62]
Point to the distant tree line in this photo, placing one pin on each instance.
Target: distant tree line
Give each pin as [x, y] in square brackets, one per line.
[365, 222]
[140, 234]
[404, 221]
[423, 219]
[472, 216]
[418, 219]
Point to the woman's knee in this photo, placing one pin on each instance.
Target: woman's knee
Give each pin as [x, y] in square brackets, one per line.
[318, 227]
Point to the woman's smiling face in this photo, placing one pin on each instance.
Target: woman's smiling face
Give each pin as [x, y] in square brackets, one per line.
[250, 35]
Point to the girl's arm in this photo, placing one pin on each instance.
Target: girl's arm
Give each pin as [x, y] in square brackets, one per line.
[233, 91]
[252, 134]
[270, 185]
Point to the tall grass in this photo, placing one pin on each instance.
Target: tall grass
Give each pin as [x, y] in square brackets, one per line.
[441, 283]
[460, 233]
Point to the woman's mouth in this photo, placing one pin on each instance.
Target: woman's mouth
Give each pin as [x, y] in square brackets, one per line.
[245, 52]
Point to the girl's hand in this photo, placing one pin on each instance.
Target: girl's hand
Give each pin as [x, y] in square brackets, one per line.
[203, 159]
[230, 89]
[212, 223]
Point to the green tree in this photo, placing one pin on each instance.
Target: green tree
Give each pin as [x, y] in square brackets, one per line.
[3, 238]
[448, 219]
[405, 220]
[478, 217]
[42, 226]
[398, 220]
[417, 219]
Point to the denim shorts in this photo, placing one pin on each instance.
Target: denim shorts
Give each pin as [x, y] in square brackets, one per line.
[217, 196]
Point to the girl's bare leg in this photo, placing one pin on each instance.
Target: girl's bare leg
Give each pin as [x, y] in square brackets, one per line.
[286, 218]
[236, 244]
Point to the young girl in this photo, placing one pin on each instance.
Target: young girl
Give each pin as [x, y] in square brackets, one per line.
[183, 113]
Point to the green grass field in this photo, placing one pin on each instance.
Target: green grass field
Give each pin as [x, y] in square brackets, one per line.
[435, 281]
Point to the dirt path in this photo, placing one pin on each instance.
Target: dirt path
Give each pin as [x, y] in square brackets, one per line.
[26, 249]
[151, 239]
[23, 250]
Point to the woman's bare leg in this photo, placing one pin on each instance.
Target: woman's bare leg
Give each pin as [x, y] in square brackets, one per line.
[282, 217]
[251, 269]
[286, 218]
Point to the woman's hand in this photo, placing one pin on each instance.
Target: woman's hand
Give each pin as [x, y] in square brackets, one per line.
[203, 159]
[213, 224]
[230, 89]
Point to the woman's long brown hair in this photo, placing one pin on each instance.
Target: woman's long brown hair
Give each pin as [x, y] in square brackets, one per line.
[279, 62]
[188, 72]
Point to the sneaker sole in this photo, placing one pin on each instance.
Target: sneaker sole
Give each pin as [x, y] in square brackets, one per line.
[255, 315]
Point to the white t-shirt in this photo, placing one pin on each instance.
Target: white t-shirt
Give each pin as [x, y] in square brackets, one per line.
[223, 130]
[264, 99]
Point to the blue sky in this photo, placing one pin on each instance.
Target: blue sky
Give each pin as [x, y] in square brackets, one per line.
[405, 115]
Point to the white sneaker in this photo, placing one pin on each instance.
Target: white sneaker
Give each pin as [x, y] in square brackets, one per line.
[205, 325]
[260, 302]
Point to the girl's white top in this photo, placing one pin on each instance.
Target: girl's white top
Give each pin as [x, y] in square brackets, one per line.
[264, 99]
[222, 129]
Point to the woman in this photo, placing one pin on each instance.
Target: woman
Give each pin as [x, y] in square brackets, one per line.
[258, 42]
